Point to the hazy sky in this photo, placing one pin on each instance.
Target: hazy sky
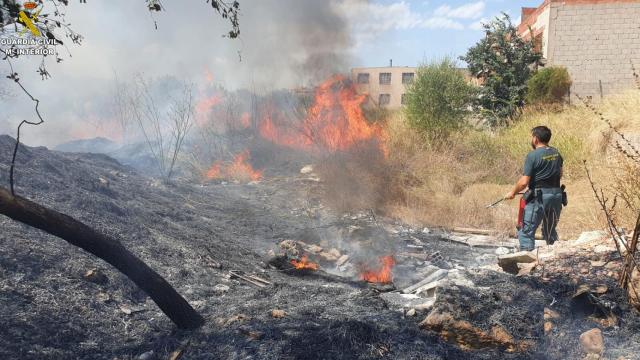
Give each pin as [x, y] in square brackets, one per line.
[283, 44]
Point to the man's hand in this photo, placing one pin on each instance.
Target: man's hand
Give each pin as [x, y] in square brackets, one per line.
[510, 195]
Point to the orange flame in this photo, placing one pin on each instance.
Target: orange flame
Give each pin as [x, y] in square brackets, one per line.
[381, 275]
[203, 108]
[239, 169]
[334, 122]
[215, 172]
[304, 264]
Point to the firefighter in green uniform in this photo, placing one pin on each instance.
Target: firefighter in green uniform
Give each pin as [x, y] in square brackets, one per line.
[544, 197]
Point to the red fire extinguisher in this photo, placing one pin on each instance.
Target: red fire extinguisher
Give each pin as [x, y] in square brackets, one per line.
[523, 203]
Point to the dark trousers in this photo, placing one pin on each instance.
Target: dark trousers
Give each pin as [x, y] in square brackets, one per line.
[543, 210]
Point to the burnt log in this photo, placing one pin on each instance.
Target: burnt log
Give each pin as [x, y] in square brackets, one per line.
[106, 248]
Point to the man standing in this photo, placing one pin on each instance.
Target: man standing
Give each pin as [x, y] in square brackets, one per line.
[542, 173]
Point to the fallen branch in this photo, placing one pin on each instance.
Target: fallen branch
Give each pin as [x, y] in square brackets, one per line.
[106, 248]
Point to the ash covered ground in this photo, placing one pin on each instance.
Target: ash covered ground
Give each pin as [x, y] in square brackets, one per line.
[194, 234]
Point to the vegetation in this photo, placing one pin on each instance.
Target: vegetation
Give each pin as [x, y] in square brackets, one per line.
[548, 86]
[451, 185]
[503, 61]
[437, 101]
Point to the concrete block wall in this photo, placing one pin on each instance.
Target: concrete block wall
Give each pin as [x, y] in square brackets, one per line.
[596, 41]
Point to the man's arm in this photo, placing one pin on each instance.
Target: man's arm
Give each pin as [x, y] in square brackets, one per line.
[522, 184]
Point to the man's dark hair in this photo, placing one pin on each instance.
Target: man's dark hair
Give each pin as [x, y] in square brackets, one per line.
[543, 133]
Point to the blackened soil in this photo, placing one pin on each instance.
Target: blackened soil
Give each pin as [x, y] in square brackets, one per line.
[184, 231]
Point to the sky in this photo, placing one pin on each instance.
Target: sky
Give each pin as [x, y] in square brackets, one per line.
[283, 44]
[414, 32]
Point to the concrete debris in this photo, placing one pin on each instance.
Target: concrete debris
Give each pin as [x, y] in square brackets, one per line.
[592, 341]
[436, 275]
[509, 263]
[400, 301]
[526, 269]
[343, 259]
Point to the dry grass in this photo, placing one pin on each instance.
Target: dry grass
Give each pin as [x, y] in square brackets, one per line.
[454, 181]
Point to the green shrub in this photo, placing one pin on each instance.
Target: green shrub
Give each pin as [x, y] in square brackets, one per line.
[437, 101]
[503, 61]
[549, 85]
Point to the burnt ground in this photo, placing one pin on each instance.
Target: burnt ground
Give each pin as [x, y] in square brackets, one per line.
[194, 234]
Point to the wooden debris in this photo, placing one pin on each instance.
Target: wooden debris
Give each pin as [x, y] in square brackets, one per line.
[251, 279]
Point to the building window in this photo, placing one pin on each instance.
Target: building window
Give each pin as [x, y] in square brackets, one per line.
[385, 78]
[384, 99]
[363, 78]
[407, 78]
[403, 99]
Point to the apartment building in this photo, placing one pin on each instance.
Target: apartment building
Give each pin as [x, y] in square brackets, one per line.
[385, 86]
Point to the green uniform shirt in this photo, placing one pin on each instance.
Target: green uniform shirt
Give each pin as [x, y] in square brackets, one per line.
[544, 166]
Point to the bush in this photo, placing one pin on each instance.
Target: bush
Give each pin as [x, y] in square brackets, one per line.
[438, 100]
[549, 85]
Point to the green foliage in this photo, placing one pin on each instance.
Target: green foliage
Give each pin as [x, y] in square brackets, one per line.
[549, 85]
[438, 99]
[503, 60]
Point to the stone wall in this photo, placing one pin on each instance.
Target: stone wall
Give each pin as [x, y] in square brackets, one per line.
[596, 41]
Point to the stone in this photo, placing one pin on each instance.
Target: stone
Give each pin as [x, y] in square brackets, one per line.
[221, 289]
[411, 312]
[548, 327]
[308, 169]
[502, 251]
[589, 236]
[592, 341]
[149, 355]
[509, 263]
[278, 314]
[601, 249]
[550, 314]
[96, 276]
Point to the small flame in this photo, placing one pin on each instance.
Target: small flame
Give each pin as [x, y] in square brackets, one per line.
[239, 169]
[304, 263]
[215, 172]
[381, 275]
[245, 120]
